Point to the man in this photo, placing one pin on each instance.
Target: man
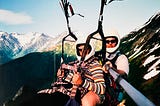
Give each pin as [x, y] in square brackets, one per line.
[118, 61]
[113, 56]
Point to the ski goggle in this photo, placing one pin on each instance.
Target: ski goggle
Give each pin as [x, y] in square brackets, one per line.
[112, 41]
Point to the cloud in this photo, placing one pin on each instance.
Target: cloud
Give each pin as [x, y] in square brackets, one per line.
[12, 18]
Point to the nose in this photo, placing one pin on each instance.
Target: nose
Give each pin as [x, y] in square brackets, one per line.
[109, 43]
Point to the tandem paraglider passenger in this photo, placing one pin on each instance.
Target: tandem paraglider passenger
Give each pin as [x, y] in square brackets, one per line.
[89, 79]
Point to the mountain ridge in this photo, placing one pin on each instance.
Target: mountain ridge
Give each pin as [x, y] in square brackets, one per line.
[15, 45]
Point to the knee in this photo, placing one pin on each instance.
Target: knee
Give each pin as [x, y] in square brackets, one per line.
[90, 99]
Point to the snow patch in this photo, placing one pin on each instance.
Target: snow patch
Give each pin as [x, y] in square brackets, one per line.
[137, 52]
[157, 30]
[152, 70]
[154, 48]
[151, 74]
[149, 59]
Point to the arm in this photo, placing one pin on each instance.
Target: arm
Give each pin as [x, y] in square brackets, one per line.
[95, 82]
[98, 83]
[122, 65]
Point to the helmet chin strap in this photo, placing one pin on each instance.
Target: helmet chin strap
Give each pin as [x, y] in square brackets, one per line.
[110, 56]
[111, 50]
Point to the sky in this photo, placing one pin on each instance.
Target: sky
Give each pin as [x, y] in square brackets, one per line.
[46, 16]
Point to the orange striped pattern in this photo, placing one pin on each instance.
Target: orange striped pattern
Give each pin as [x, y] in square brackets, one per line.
[97, 84]
[94, 81]
[69, 77]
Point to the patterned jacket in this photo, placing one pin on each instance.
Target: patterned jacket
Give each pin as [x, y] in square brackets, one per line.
[92, 74]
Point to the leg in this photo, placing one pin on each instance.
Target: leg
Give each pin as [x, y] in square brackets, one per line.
[90, 99]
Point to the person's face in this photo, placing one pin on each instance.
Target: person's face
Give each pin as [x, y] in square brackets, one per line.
[80, 50]
[111, 42]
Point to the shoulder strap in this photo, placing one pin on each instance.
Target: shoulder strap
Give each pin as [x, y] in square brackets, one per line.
[114, 59]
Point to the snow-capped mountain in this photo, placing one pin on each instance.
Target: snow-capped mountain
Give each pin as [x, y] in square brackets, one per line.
[16, 45]
[9, 46]
[31, 42]
[145, 44]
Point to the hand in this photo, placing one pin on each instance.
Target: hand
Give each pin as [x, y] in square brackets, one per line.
[83, 64]
[107, 65]
[60, 73]
[63, 65]
[77, 79]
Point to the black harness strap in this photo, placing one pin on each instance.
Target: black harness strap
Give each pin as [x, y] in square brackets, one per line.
[113, 61]
[100, 31]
